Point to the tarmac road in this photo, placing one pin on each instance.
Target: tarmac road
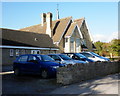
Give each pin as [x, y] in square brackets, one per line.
[104, 85]
[34, 84]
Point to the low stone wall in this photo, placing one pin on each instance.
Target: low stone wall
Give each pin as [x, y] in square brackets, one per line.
[80, 72]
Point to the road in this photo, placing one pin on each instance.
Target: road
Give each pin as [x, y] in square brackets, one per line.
[104, 85]
[34, 84]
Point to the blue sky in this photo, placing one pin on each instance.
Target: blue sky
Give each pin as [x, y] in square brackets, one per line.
[101, 17]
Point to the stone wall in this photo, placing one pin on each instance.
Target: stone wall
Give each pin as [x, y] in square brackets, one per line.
[80, 72]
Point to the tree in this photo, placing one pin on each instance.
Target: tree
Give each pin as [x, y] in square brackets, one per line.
[106, 49]
[98, 46]
[115, 46]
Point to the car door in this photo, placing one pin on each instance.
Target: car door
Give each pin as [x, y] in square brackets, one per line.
[33, 64]
[21, 63]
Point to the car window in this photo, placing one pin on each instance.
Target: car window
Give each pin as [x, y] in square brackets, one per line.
[80, 55]
[65, 57]
[87, 55]
[23, 59]
[55, 57]
[31, 58]
[47, 58]
[95, 54]
[39, 57]
[70, 55]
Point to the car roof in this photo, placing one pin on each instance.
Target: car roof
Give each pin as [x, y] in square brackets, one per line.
[31, 55]
[68, 53]
[55, 54]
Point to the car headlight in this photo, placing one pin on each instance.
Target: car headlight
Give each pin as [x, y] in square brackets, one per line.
[55, 67]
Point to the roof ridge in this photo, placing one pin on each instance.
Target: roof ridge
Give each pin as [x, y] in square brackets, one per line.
[64, 18]
[79, 19]
[30, 32]
[29, 26]
[45, 22]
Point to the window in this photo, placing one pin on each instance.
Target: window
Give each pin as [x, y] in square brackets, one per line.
[17, 52]
[55, 57]
[11, 52]
[23, 51]
[31, 58]
[46, 58]
[87, 55]
[77, 45]
[35, 51]
[72, 45]
[23, 58]
[65, 57]
[66, 39]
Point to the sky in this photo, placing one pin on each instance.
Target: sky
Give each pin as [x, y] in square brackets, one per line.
[101, 17]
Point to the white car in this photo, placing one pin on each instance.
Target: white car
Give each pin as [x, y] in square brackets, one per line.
[93, 57]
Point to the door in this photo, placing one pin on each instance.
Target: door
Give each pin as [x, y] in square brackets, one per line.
[22, 61]
[33, 64]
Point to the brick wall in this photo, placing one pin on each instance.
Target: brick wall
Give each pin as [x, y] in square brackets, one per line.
[80, 72]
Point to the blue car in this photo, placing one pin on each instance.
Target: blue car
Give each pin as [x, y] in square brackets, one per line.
[36, 63]
[78, 56]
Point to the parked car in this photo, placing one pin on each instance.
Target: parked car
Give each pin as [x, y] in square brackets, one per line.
[64, 59]
[93, 57]
[78, 56]
[106, 59]
[36, 64]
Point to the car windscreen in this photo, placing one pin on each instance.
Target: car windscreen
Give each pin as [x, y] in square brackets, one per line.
[87, 55]
[80, 55]
[65, 57]
[95, 54]
[46, 58]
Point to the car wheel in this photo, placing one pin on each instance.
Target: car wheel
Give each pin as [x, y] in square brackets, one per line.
[44, 74]
[17, 72]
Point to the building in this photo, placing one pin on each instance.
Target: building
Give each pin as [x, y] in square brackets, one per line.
[16, 42]
[51, 36]
[68, 34]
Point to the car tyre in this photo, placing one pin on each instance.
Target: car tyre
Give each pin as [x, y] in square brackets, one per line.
[44, 74]
[17, 72]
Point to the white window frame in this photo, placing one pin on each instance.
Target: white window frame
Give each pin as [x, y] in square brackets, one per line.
[22, 51]
[11, 52]
[35, 51]
[17, 52]
[71, 44]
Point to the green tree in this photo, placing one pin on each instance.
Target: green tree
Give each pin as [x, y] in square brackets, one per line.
[106, 49]
[98, 46]
[115, 46]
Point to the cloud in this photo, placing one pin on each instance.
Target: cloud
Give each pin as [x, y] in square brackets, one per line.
[105, 38]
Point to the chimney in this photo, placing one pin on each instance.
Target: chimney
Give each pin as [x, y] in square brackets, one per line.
[49, 24]
[43, 18]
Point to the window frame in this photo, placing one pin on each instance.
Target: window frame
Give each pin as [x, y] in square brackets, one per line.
[11, 52]
[17, 52]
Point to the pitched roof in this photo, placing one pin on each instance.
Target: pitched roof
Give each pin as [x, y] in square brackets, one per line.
[21, 38]
[79, 21]
[70, 30]
[58, 27]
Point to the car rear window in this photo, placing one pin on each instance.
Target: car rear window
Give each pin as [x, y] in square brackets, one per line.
[23, 59]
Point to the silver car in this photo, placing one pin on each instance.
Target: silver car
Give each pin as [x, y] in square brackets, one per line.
[64, 59]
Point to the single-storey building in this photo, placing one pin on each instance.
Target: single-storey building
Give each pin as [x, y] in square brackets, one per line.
[16, 42]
